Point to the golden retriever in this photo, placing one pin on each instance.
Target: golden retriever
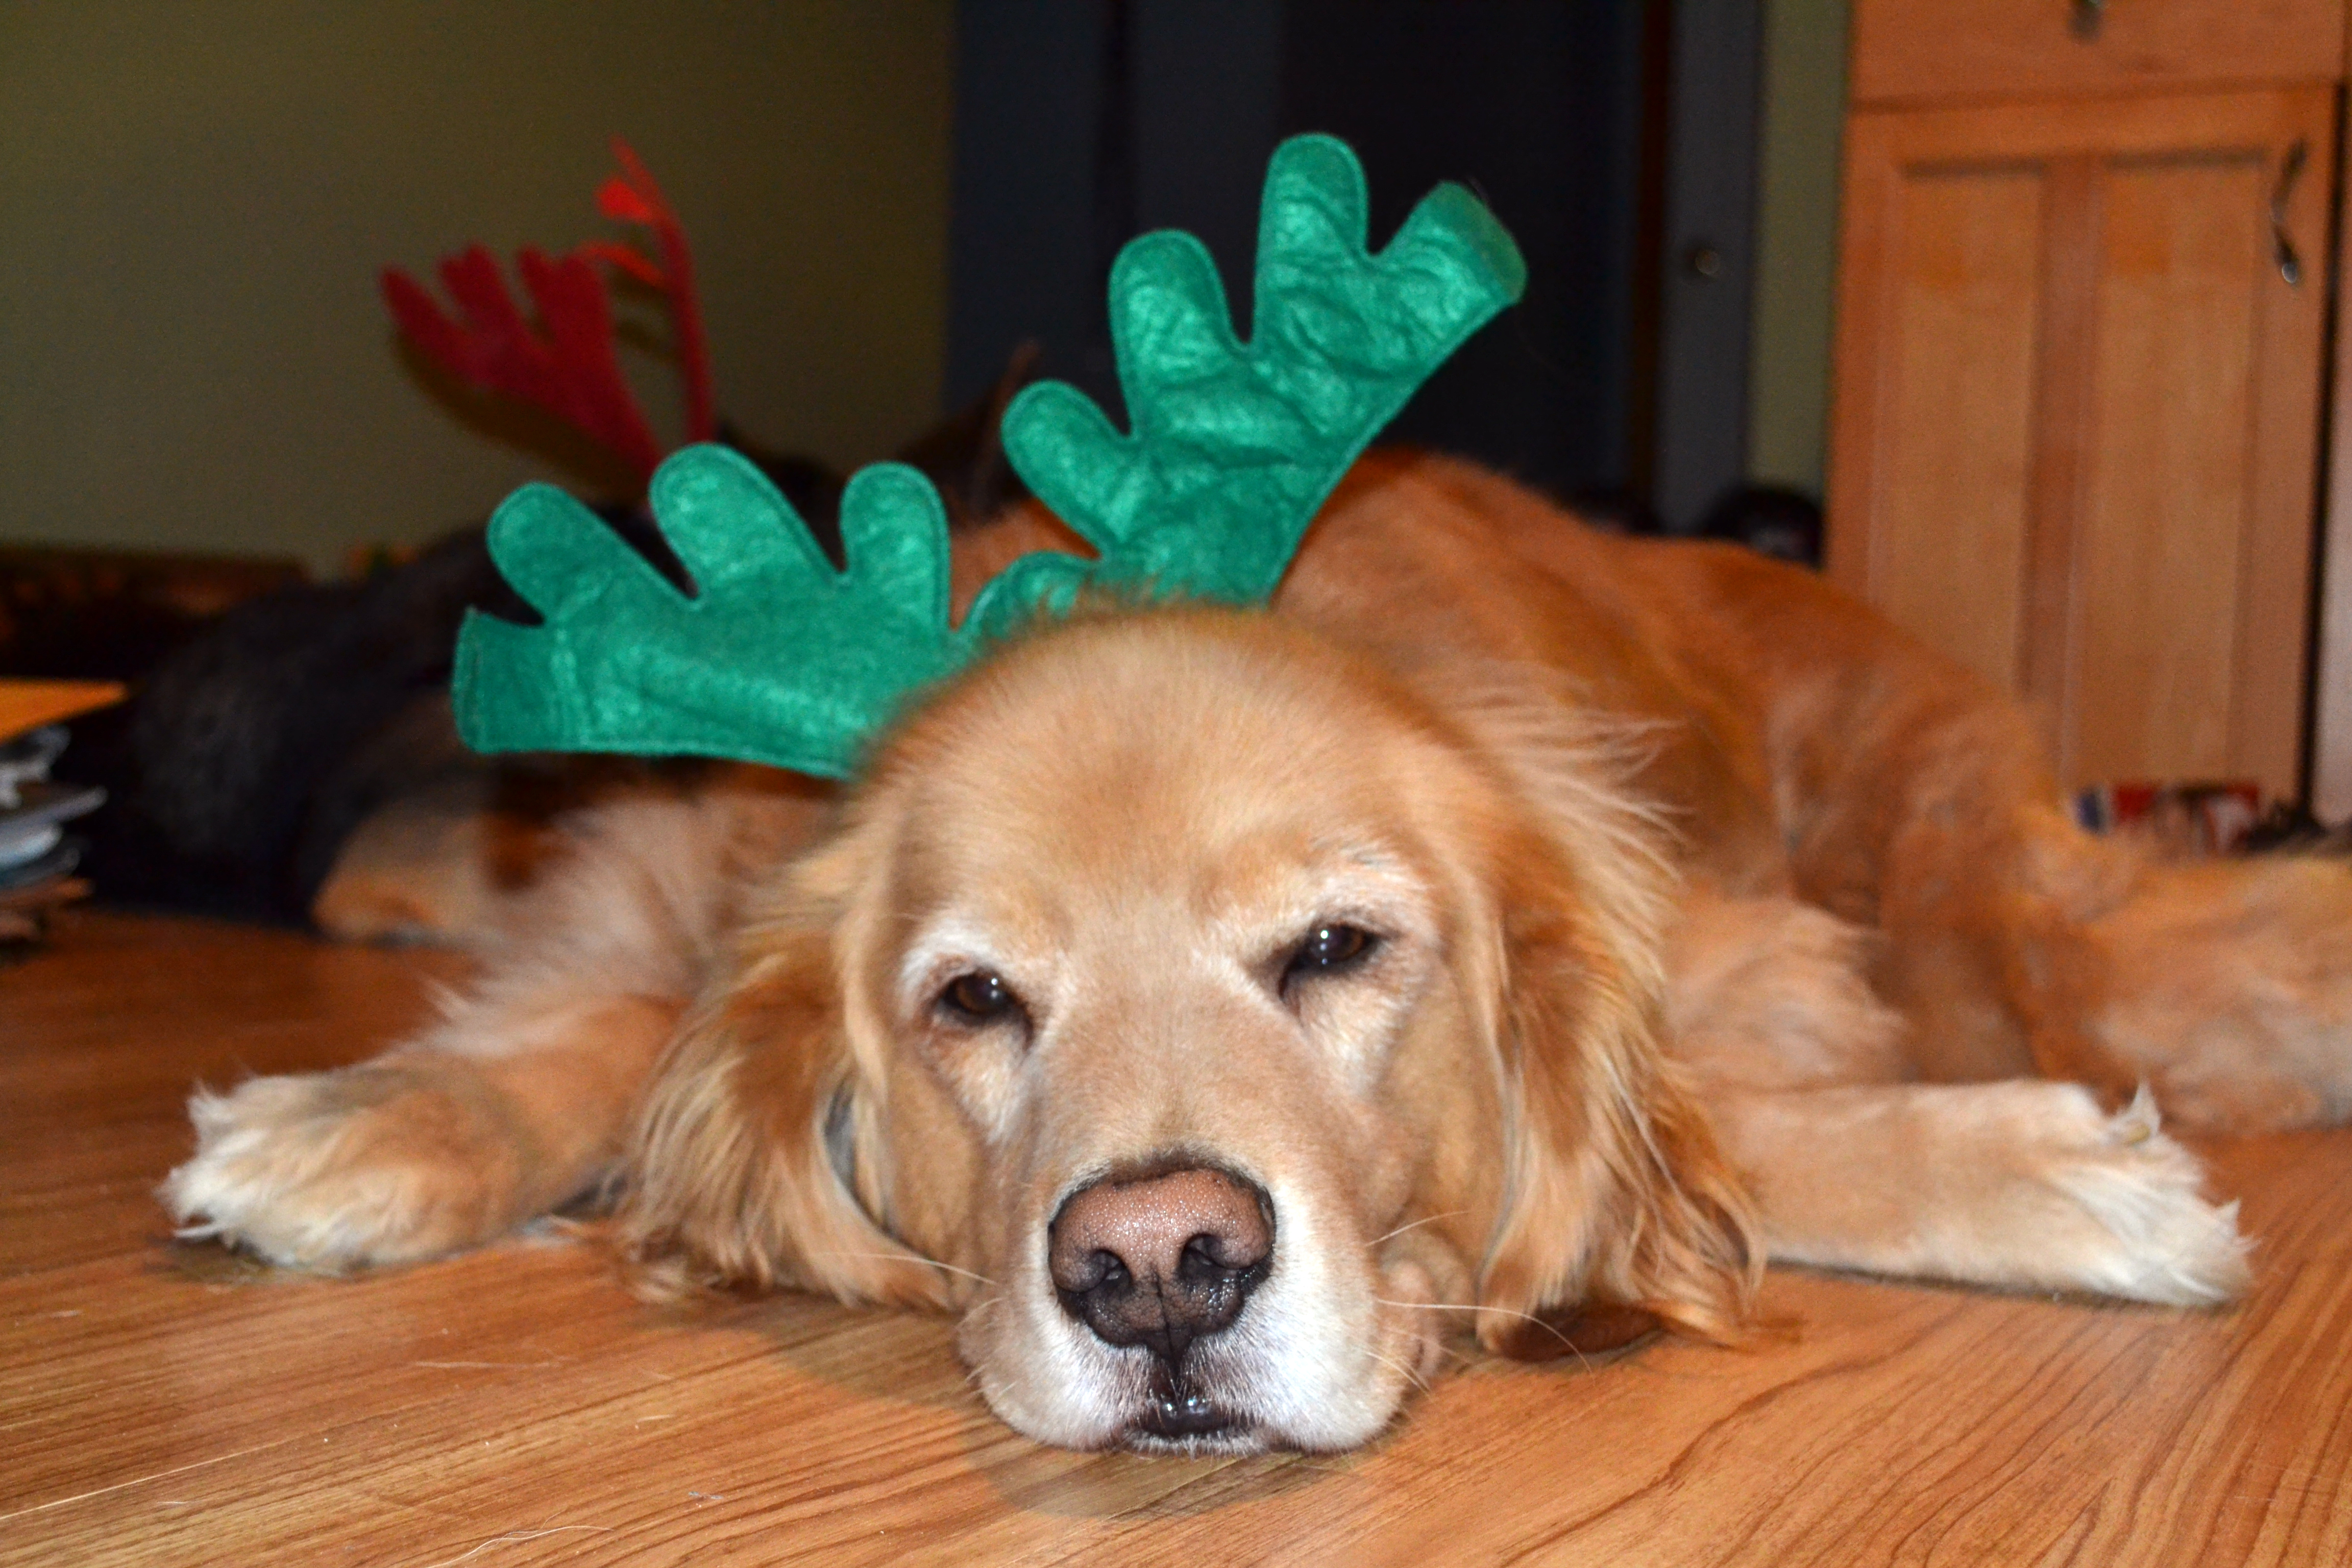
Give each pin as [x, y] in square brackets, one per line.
[1519, 927]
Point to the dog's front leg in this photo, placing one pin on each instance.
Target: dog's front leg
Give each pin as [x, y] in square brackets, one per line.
[2021, 1184]
[503, 1113]
[522, 1098]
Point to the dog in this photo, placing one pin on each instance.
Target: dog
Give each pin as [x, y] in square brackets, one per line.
[1519, 930]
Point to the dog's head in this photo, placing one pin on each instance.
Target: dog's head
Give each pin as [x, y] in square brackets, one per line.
[1211, 1017]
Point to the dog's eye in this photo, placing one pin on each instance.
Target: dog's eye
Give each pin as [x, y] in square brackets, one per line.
[1329, 950]
[978, 998]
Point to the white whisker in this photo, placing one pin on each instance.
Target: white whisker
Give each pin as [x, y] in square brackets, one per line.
[908, 1257]
[1402, 1371]
[1504, 1311]
[1425, 1219]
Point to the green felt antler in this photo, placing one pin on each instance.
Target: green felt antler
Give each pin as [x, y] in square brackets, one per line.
[1235, 445]
[779, 658]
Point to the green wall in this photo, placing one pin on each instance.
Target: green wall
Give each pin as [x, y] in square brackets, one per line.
[195, 200]
[1796, 262]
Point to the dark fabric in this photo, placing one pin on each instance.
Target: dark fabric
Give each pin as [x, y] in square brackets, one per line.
[246, 756]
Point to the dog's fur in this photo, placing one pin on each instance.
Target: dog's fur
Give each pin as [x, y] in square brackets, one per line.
[1716, 920]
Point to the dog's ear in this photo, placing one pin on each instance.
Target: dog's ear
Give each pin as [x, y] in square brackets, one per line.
[1618, 1210]
[755, 1160]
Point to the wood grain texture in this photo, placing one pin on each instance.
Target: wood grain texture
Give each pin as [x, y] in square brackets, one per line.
[2138, 571]
[2172, 382]
[2062, 428]
[166, 1404]
[1951, 529]
[1928, 51]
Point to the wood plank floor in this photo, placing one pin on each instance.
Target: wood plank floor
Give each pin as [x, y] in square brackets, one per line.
[166, 1402]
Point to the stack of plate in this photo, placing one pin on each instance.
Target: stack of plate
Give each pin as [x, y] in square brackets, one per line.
[38, 856]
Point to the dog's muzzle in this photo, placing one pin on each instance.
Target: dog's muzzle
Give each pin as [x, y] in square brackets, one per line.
[1163, 1262]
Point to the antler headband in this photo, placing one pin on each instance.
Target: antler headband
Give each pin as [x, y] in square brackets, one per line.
[779, 658]
[568, 370]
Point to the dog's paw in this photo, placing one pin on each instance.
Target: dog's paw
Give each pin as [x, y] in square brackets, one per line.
[379, 1164]
[2023, 1184]
[2134, 1221]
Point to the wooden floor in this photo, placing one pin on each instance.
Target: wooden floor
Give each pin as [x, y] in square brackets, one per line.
[166, 1402]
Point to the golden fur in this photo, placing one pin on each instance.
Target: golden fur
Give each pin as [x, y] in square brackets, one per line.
[1714, 918]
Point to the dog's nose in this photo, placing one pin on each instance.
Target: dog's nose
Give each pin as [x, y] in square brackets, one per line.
[1163, 1261]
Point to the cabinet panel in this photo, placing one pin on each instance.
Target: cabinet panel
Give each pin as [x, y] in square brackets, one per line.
[1957, 447]
[1921, 51]
[2165, 518]
[2074, 438]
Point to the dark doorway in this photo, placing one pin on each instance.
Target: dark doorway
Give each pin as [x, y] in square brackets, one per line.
[1080, 125]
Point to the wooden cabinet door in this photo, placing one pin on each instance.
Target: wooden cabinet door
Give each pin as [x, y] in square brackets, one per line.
[1940, 51]
[2074, 438]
